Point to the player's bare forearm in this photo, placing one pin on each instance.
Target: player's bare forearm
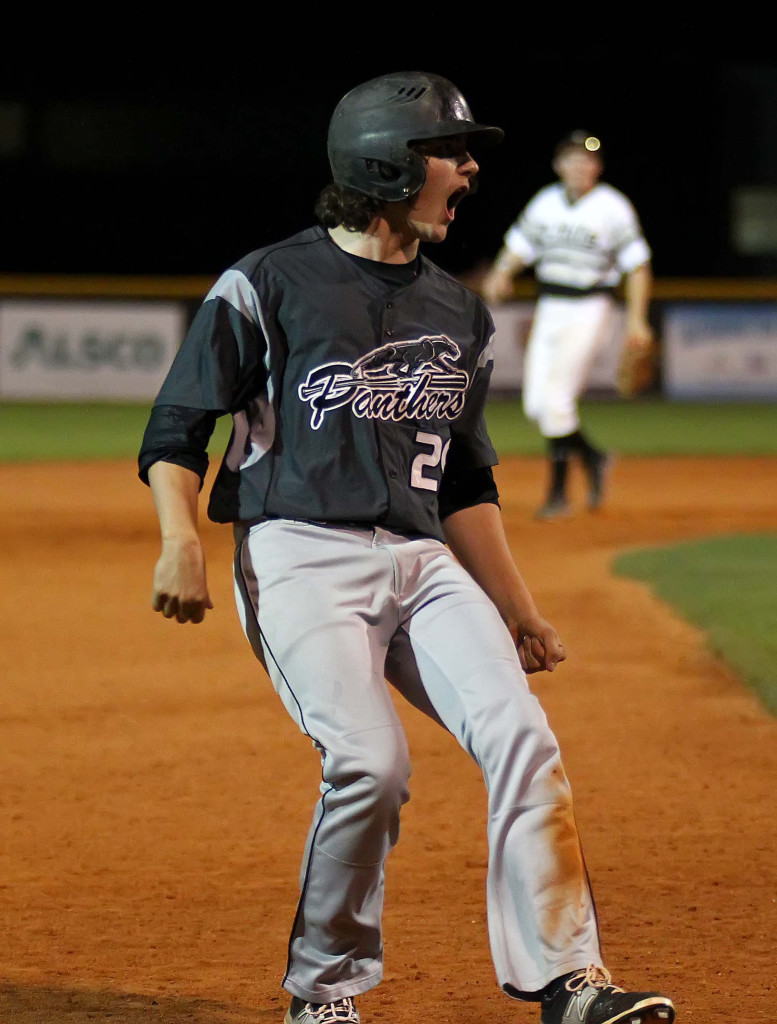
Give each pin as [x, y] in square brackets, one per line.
[180, 584]
[176, 493]
[497, 285]
[477, 538]
[638, 289]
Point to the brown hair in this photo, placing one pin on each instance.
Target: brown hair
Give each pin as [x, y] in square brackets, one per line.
[338, 204]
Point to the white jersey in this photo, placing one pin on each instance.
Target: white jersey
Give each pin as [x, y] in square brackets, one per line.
[578, 246]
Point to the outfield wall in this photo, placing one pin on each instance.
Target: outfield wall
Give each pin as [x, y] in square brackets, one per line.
[86, 338]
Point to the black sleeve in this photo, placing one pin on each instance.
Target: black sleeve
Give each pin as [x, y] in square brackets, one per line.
[466, 488]
[177, 434]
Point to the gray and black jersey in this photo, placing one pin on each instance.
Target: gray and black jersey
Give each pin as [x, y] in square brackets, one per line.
[357, 390]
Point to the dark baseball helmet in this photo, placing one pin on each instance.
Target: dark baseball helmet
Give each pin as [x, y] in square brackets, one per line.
[372, 126]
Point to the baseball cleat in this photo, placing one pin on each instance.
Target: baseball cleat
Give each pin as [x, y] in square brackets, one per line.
[589, 997]
[555, 508]
[341, 1011]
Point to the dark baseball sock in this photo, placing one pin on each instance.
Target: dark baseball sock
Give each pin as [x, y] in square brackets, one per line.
[298, 1005]
[579, 444]
[558, 456]
[556, 986]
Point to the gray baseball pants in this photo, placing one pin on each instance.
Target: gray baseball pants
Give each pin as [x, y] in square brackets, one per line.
[332, 613]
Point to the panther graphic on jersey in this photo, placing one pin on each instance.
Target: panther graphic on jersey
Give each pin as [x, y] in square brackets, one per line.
[407, 358]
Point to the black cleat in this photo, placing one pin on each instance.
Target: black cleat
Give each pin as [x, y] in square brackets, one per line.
[589, 997]
[554, 508]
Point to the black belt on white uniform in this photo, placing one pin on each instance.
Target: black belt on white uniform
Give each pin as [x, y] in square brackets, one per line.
[567, 292]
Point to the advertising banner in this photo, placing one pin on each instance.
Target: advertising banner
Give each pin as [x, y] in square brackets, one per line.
[93, 351]
[715, 350]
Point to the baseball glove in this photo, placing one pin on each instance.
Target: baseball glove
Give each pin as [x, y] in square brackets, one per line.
[637, 369]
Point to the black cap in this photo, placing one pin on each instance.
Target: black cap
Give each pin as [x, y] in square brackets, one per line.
[580, 139]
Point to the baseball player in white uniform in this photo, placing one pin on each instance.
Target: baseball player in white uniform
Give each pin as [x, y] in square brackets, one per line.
[356, 374]
[582, 236]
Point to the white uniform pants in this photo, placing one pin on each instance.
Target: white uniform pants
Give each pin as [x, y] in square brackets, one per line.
[340, 610]
[565, 336]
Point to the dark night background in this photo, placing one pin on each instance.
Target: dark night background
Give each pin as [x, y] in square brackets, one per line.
[148, 166]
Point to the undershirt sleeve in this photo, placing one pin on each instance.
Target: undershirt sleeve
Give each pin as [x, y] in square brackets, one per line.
[177, 434]
[465, 488]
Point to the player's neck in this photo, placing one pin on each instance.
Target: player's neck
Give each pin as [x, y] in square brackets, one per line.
[377, 243]
[573, 194]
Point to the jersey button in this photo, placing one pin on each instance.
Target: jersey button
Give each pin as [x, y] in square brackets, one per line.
[389, 333]
[393, 474]
[389, 305]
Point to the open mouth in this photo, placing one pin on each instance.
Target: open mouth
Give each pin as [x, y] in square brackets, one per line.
[456, 197]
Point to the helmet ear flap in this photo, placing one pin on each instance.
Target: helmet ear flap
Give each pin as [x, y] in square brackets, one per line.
[386, 172]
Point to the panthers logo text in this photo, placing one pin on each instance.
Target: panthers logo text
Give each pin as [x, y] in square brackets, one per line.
[401, 380]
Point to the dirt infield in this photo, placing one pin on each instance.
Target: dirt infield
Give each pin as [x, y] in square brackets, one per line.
[155, 797]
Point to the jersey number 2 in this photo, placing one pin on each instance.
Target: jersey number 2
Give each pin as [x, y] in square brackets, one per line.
[436, 457]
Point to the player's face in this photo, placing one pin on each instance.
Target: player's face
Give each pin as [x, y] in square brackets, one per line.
[578, 170]
[450, 172]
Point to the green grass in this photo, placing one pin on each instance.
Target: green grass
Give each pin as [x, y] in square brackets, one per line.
[650, 427]
[54, 431]
[35, 432]
[726, 587]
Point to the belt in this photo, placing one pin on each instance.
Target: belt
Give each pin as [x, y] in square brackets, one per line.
[568, 292]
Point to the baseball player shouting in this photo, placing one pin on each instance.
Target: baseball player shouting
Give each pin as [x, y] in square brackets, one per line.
[359, 465]
[581, 235]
